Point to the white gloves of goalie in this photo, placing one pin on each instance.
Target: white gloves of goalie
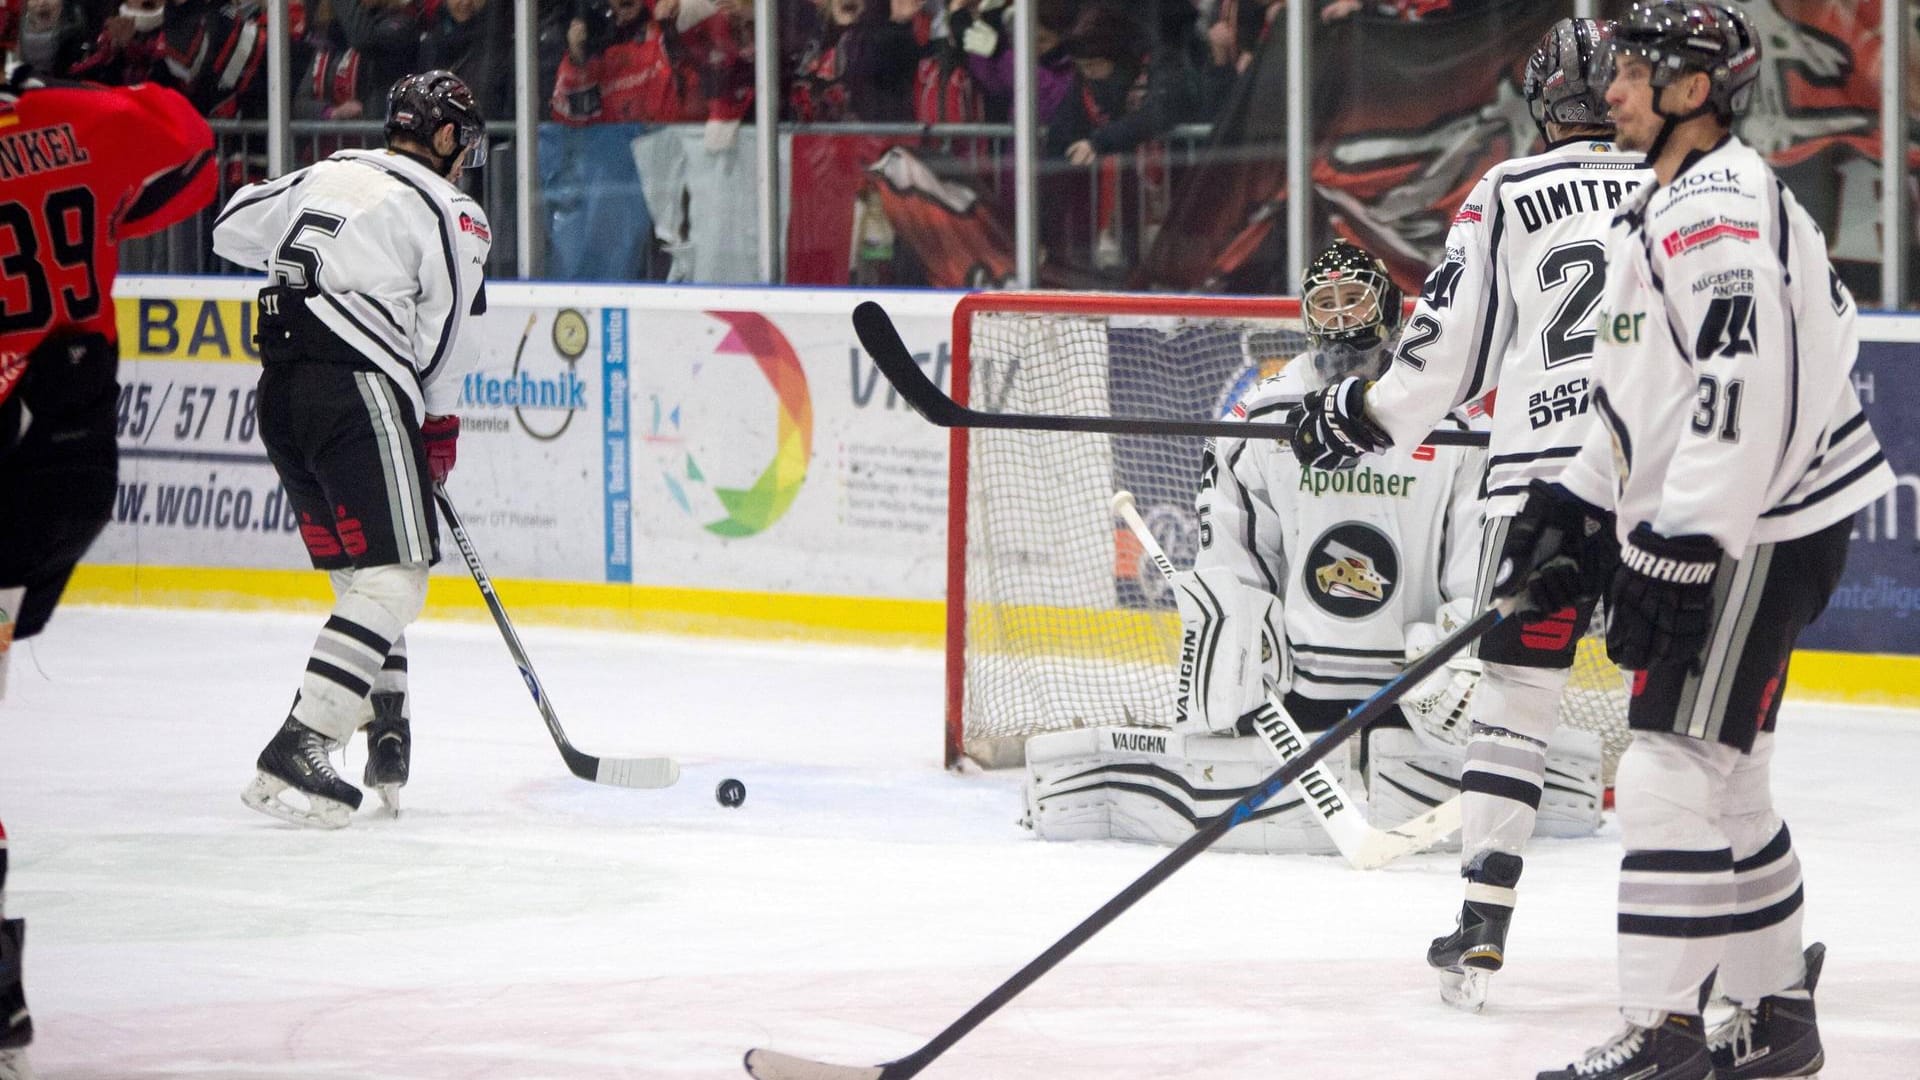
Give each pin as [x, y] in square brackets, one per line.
[1436, 707]
[1232, 648]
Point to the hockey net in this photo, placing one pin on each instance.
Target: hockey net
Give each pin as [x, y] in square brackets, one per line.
[1055, 619]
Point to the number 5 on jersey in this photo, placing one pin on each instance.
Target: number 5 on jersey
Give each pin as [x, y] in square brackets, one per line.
[297, 265]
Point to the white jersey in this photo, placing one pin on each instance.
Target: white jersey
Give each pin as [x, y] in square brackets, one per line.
[392, 252]
[1511, 308]
[1723, 381]
[1354, 554]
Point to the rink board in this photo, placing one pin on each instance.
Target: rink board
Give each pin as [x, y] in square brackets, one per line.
[720, 462]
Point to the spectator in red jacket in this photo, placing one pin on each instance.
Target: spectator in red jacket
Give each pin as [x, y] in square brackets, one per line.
[728, 63]
[631, 65]
[861, 63]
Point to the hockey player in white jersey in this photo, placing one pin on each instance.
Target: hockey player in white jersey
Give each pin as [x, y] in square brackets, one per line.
[374, 261]
[1509, 310]
[1733, 453]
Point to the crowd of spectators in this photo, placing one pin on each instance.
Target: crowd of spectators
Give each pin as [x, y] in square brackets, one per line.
[1113, 75]
[346, 53]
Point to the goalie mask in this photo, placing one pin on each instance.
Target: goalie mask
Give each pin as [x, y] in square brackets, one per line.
[1352, 310]
[1568, 74]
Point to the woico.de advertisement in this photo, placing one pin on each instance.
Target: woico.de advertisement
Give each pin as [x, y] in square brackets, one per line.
[196, 488]
[195, 485]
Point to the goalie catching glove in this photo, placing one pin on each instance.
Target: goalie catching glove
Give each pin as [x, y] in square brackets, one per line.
[1436, 707]
[1232, 648]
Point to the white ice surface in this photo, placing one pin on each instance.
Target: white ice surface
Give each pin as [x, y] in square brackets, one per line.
[516, 922]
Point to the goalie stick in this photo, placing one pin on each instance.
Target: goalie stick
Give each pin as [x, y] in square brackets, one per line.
[1364, 846]
[882, 342]
[772, 1065]
[633, 772]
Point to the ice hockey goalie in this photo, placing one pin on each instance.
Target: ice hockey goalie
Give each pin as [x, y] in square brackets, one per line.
[1316, 587]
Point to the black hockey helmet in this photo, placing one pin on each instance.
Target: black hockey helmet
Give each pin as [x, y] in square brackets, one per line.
[1568, 74]
[1352, 310]
[420, 105]
[1678, 36]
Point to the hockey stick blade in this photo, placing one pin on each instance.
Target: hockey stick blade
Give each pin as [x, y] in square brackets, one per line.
[645, 772]
[1242, 809]
[877, 335]
[770, 1065]
[1359, 842]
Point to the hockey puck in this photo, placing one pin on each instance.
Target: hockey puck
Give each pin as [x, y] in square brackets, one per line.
[730, 792]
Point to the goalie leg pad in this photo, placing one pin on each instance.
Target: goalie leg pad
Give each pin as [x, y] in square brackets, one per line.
[1572, 793]
[1406, 777]
[1231, 649]
[1160, 787]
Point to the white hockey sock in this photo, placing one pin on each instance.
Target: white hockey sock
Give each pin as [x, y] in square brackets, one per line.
[1513, 716]
[393, 673]
[1764, 947]
[1676, 878]
[368, 616]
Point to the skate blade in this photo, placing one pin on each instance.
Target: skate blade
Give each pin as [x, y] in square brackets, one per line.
[263, 794]
[1465, 989]
[389, 798]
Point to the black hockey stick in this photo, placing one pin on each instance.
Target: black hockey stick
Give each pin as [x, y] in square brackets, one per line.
[633, 772]
[876, 332]
[770, 1065]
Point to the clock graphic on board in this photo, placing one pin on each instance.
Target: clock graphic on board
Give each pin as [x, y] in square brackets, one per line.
[570, 333]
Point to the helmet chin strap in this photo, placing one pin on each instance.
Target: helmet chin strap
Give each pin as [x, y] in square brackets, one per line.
[1669, 121]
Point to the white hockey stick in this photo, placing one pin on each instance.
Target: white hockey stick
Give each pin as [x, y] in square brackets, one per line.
[633, 772]
[1364, 846]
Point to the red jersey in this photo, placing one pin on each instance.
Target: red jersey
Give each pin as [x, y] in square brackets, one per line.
[82, 168]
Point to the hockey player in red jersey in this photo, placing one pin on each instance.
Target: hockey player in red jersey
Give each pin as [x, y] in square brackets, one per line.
[82, 168]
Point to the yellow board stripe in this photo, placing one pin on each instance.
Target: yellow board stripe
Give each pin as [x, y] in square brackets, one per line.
[1855, 678]
[706, 612]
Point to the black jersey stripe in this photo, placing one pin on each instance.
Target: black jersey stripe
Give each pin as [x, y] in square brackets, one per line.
[1331, 650]
[1498, 460]
[1830, 490]
[404, 362]
[446, 249]
[1476, 382]
[272, 189]
[161, 188]
[1246, 508]
[1793, 323]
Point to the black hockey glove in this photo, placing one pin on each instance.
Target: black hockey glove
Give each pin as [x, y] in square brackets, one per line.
[1662, 599]
[1334, 430]
[1556, 552]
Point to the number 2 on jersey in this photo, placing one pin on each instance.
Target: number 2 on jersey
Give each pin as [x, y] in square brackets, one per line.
[1569, 335]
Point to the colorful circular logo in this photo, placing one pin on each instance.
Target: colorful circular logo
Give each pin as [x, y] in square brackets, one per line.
[734, 511]
[1351, 571]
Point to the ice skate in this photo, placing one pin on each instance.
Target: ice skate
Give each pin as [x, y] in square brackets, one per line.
[1777, 1038]
[16, 1024]
[1674, 1047]
[297, 760]
[1468, 957]
[389, 749]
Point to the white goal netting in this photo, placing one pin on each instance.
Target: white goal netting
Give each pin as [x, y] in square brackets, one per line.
[1056, 619]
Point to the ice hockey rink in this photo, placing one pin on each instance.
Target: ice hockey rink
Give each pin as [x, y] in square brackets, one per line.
[517, 922]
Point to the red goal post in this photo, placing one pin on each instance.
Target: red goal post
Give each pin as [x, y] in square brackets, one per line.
[1053, 620]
